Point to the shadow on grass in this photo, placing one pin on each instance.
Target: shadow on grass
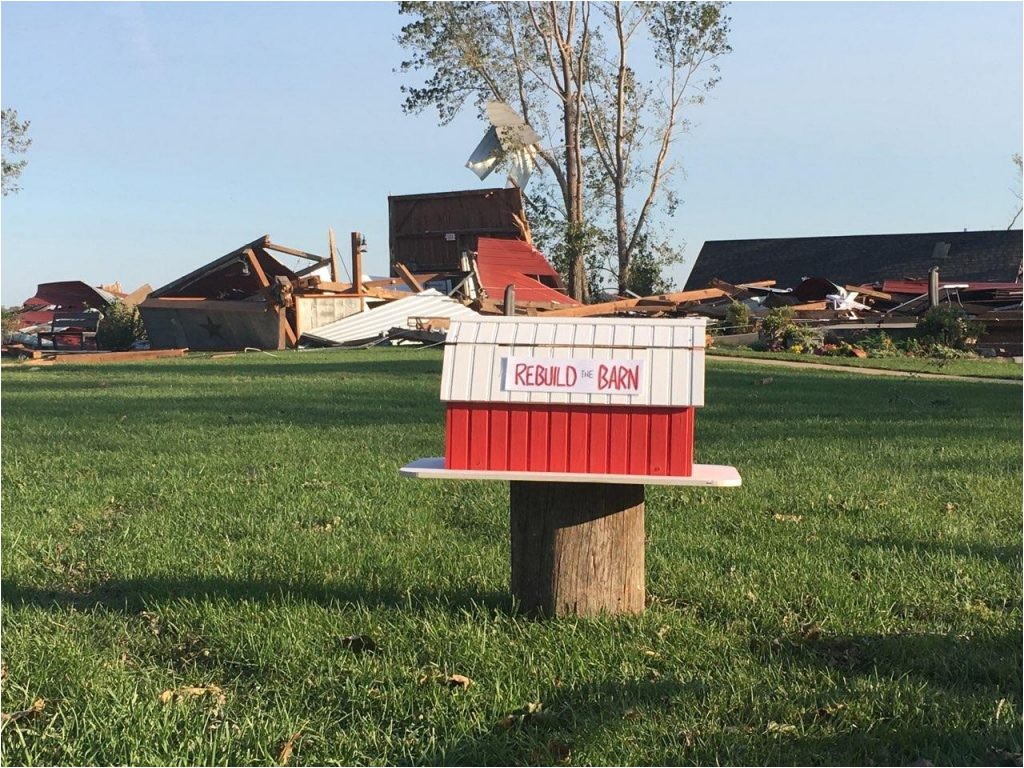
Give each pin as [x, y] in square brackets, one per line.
[415, 364]
[568, 719]
[603, 714]
[956, 663]
[341, 408]
[132, 595]
[1007, 555]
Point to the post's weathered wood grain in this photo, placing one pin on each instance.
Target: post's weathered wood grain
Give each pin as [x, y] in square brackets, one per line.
[333, 255]
[577, 548]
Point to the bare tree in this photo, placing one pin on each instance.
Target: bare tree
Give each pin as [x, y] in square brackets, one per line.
[1017, 192]
[550, 60]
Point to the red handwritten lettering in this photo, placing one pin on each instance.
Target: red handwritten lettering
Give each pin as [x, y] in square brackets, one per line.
[618, 377]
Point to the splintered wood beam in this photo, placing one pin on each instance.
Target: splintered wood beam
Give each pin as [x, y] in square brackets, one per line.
[407, 277]
[381, 293]
[757, 284]
[729, 288]
[864, 290]
[524, 228]
[333, 255]
[312, 268]
[325, 285]
[292, 251]
[594, 310]
[257, 269]
[700, 295]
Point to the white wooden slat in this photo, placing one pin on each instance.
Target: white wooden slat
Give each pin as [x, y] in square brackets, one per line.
[525, 333]
[462, 360]
[643, 336]
[603, 335]
[661, 376]
[584, 335]
[697, 380]
[447, 370]
[682, 336]
[506, 333]
[485, 359]
[682, 391]
[662, 336]
[487, 333]
[564, 334]
[673, 372]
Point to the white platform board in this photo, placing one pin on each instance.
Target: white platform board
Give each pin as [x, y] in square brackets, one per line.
[706, 475]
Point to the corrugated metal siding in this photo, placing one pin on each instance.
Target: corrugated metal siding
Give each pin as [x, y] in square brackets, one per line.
[672, 351]
[569, 438]
[372, 323]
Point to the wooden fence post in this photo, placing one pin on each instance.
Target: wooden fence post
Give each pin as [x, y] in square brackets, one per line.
[577, 548]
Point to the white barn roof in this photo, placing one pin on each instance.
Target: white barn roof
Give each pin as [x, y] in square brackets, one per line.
[671, 353]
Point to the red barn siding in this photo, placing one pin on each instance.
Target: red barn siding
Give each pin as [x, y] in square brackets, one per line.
[569, 438]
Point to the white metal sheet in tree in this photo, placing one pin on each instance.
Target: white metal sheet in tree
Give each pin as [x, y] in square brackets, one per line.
[671, 353]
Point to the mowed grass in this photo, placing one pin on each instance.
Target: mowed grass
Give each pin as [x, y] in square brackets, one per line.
[985, 368]
[230, 522]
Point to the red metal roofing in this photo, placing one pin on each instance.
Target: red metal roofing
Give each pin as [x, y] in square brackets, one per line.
[28, 318]
[504, 262]
[72, 294]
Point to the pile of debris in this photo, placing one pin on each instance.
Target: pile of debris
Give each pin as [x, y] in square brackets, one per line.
[456, 255]
[65, 315]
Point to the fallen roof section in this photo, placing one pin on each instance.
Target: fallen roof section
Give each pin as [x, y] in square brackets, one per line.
[70, 294]
[238, 274]
[373, 324]
[514, 262]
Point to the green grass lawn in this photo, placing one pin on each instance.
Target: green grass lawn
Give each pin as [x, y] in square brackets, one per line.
[983, 368]
[230, 522]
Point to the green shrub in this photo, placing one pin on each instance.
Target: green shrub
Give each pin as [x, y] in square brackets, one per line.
[779, 333]
[948, 326]
[879, 344]
[801, 338]
[737, 318]
[773, 328]
[121, 325]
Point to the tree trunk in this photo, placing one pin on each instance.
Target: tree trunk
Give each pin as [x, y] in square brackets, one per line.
[577, 548]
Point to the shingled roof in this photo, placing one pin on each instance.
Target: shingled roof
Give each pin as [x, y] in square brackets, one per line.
[983, 256]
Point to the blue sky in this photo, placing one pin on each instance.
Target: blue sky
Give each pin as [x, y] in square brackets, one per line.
[165, 135]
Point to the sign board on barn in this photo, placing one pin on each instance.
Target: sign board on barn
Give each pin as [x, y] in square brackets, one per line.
[589, 395]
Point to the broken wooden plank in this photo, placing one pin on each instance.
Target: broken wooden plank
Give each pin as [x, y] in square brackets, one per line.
[864, 290]
[257, 269]
[594, 310]
[702, 294]
[407, 276]
[430, 323]
[117, 357]
[291, 251]
[757, 284]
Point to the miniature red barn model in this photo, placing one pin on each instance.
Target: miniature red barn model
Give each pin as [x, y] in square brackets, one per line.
[590, 396]
[578, 415]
